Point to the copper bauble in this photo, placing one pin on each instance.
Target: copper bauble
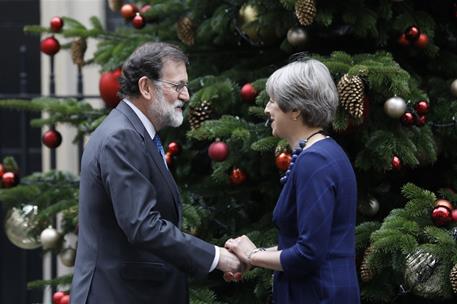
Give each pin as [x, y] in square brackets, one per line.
[237, 176]
[218, 151]
[56, 24]
[174, 148]
[109, 87]
[51, 138]
[248, 93]
[138, 21]
[282, 161]
[128, 11]
[50, 46]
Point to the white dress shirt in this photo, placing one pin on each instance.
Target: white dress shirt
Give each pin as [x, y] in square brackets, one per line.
[152, 132]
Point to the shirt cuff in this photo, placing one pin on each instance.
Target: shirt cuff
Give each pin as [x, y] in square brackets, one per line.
[216, 259]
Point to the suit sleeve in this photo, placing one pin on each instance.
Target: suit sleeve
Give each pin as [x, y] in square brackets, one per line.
[124, 174]
[315, 199]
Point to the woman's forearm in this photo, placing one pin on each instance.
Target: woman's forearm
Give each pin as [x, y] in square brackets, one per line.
[270, 259]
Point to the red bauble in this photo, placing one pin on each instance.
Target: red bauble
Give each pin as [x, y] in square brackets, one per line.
[65, 299]
[454, 215]
[109, 87]
[9, 179]
[218, 151]
[138, 21]
[441, 216]
[407, 119]
[237, 176]
[422, 107]
[56, 24]
[51, 138]
[50, 46]
[421, 120]
[144, 9]
[128, 11]
[2, 170]
[443, 203]
[396, 163]
[403, 41]
[174, 148]
[282, 161]
[57, 296]
[248, 93]
[169, 159]
[422, 42]
[412, 33]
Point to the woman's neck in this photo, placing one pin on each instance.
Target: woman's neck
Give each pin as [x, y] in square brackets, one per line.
[310, 135]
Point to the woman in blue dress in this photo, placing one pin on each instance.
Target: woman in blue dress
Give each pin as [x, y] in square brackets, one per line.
[315, 214]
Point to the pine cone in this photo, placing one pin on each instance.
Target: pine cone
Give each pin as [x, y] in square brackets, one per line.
[351, 93]
[185, 30]
[366, 274]
[453, 278]
[199, 114]
[78, 48]
[305, 11]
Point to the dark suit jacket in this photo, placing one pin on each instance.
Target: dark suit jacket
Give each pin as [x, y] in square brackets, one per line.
[130, 247]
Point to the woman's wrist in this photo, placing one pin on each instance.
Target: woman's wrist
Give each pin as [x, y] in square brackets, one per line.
[253, 252]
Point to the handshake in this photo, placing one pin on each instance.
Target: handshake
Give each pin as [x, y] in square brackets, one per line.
[235, 258]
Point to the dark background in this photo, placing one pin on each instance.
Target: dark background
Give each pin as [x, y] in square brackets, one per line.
[18, 266]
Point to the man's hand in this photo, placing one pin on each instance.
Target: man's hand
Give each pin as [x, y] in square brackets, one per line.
[228, 262]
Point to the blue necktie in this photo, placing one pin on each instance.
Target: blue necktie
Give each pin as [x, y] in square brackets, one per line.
[159, 146]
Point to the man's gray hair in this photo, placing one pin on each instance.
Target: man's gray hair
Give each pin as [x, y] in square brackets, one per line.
[308, 87]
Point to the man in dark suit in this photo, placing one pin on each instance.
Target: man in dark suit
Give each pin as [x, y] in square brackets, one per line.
[130, 247]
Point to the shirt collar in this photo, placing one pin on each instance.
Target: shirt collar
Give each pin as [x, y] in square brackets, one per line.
[144, 120]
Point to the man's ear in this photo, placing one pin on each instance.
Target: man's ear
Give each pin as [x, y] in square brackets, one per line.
[144, 88]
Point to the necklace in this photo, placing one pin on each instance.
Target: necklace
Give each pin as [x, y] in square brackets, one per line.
[301, 145]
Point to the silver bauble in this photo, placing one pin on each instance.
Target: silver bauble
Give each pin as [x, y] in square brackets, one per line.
[296, 36]
[423, 275]
[19, 223]
[49, 238]
[454, 88]
[67, 257]
[115, 5]
[395, 107]
[369, 207]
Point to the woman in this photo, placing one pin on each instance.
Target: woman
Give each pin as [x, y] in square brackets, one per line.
[314, 261]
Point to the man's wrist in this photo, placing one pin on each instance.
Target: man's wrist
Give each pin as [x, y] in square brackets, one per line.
[254, 251]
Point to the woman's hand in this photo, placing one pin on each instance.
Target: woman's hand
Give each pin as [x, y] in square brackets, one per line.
[242, 247]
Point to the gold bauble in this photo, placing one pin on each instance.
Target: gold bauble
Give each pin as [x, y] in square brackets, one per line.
[68, 256]
[454, 88]
[296, 36]
[19, 224]
[248, 13]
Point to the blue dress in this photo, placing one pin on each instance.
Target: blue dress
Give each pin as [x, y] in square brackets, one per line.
[315, 215]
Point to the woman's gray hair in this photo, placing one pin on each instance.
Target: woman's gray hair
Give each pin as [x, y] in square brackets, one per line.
[308, 87]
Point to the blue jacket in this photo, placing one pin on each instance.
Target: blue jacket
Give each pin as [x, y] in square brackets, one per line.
[316, 215]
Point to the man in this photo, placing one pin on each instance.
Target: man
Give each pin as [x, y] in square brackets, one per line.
[130, 247]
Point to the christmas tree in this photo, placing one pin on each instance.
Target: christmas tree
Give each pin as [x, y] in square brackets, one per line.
[395, 66]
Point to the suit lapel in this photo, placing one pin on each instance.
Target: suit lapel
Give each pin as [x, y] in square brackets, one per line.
[154, 154]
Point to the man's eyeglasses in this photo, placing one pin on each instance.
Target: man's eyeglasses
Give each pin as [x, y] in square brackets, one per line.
[179, 87]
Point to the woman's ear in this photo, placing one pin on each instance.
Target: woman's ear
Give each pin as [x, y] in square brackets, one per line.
[295, 114]
[145, 88]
